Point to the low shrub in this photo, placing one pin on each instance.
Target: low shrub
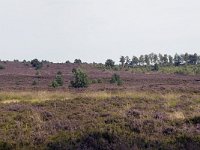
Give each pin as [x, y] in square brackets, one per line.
[58, 81]
[80, 80]
[116, 79]
[54, 84]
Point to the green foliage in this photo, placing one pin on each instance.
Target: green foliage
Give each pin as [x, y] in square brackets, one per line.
[36, 64]
[184, 70]
[141, 69]
[54, 84]
[80, 79]
[109, 63]
[116, 79]
[58, 81]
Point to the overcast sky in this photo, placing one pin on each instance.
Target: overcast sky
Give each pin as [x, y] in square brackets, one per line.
[94, 30]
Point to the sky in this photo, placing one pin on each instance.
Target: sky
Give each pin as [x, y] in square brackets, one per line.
[95, 30]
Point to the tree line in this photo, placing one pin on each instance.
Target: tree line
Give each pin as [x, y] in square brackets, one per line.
[152, 59]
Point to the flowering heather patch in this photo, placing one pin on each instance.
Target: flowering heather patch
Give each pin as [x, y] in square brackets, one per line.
[99, 120]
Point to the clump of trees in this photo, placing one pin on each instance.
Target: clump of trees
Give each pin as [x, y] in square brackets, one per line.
[80, 79]
[162, 60]
[36, 64]
[116, 79]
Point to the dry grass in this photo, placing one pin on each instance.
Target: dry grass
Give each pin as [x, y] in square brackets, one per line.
[171, 99]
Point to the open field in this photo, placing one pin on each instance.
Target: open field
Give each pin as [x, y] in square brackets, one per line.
[99, 120]
[20, 76]
[151, 110]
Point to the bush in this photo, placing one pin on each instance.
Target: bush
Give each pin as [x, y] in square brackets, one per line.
[116, 79]
[58, 81]
[36, 64]
[80, 79]
[54, 84]
[109, 63]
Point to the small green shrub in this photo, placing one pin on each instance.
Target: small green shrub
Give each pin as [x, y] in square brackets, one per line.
[54, 84]
[58, 81]
[80, 80]
[116, 79]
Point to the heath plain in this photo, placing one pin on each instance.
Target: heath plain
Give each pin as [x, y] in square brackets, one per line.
[146, 102]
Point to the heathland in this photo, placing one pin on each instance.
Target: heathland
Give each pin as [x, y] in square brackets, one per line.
[140, 107]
